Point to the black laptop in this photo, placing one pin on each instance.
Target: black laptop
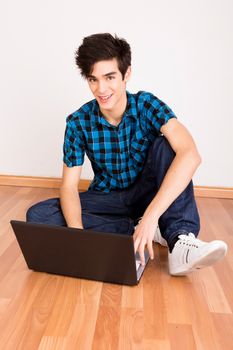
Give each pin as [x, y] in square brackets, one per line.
[107, 257]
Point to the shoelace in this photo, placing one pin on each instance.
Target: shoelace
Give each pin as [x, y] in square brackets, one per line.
[190, 240]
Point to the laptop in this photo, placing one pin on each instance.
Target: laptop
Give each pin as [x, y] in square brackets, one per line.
[88, 254]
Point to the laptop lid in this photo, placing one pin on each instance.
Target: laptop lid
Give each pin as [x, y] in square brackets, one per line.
[88, 254]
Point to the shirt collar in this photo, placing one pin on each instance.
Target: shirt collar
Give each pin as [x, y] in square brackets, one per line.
[130, 111]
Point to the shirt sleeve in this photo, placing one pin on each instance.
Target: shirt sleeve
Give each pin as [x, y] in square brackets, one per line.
[157, 112]
[73, 146]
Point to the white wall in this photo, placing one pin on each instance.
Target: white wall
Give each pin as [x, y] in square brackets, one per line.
[182, 52]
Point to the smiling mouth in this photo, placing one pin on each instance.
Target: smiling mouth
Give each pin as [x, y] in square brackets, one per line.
[105, 98]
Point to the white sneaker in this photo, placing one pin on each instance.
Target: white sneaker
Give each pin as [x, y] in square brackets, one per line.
[190, 254]
[158, 238]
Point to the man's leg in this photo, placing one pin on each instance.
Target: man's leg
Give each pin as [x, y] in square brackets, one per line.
[180, 223]
[46, 212]
[182, 214]
[104, 212]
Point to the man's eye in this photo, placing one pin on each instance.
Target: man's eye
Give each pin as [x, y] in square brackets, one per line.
[91, 80]
[110, 77]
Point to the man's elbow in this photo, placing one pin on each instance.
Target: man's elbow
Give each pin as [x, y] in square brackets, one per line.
[196, 158]
[192, 157]
[64, 189]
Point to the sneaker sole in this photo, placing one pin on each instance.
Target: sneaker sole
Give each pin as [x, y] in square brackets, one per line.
[208, 260]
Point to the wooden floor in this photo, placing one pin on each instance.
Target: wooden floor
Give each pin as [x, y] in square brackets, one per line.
[42, 311]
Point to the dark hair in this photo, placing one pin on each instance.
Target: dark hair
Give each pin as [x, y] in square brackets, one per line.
[101, 47]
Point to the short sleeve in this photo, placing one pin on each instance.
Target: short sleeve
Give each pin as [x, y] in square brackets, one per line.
[73, 147]
[157, 112]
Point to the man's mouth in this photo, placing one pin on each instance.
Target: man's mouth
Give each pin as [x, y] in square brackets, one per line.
[104, 98]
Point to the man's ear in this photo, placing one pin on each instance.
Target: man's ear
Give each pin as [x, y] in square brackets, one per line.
[128, 74]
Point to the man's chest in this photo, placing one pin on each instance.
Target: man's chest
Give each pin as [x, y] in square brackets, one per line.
[115, 147]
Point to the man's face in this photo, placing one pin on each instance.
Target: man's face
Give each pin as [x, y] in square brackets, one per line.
[107, 85]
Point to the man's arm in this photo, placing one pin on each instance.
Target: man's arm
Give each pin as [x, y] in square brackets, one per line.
[176, 180]
[69, 197]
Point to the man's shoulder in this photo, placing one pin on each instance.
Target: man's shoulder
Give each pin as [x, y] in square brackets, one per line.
[83, 113]
[144, 98]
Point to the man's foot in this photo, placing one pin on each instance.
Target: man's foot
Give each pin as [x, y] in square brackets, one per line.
[190, 254]
[158, 238]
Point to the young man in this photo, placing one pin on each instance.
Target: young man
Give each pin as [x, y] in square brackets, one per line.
[143, 159]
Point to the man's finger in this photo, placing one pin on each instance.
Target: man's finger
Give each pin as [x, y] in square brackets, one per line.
[150, 249]
[141, 253]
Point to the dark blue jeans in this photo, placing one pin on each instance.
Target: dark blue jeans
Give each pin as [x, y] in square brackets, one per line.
[119, 211]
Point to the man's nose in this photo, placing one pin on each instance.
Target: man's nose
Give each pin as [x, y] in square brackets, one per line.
[102, 87]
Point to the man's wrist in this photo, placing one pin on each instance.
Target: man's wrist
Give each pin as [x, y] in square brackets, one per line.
[150, 215]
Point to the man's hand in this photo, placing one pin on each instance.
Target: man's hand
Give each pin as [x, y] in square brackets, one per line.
[143, 236]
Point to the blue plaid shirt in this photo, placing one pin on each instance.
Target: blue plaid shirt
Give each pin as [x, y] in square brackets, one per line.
[117, 153]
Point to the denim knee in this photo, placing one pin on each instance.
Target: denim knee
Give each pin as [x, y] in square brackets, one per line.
[48, 212]
[32, 214]
[162, 153]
